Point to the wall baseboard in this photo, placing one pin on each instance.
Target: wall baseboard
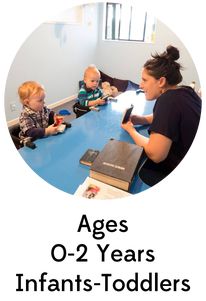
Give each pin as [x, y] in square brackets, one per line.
[62, 101]
[15, 121]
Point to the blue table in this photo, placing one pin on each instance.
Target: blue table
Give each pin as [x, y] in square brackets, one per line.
[56, 158]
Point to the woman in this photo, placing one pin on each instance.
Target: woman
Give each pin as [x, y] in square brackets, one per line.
[175, 117]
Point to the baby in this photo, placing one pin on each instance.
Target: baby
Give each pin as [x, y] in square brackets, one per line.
[36, 120]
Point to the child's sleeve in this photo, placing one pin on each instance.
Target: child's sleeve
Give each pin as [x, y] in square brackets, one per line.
[28, 127]
[36, 133]
[82, 97]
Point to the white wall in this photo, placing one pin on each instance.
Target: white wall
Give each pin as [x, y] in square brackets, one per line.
[125, 59]
[57, 54]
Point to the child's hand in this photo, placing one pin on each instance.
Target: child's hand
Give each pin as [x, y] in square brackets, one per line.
[51, 130]
[100, 101]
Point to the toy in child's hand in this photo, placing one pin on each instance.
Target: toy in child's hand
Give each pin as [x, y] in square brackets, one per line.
[58, 122]
[61, 128]
[109, 90]
[58, 119]
[105, 96]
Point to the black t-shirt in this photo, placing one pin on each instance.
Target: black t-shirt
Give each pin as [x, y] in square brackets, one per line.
[176, 115]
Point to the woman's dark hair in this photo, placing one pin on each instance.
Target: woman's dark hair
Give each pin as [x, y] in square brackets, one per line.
[165, 65]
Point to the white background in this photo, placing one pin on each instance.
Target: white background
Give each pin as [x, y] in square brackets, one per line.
[169, 218]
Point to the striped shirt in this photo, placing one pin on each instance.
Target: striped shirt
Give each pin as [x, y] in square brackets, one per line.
[85, 95]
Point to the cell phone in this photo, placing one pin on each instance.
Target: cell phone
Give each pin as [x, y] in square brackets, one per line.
[126, 114]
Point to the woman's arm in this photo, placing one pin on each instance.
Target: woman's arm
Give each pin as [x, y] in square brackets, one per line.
[156, 147]
[142, 120]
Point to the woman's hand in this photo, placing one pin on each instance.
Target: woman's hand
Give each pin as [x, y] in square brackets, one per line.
[141, 120]
[127, 126]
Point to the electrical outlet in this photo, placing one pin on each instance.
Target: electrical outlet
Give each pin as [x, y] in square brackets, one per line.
[13, 106]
